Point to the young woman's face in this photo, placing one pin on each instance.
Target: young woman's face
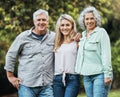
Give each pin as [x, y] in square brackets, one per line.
[89, 21]
[65, 27]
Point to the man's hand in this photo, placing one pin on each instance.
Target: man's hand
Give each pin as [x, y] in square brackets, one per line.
[77, 37]
[13, 80]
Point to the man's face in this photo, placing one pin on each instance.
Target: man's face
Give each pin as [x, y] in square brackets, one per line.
[41, 23]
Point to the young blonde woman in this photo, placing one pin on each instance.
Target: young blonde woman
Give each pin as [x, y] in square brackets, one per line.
[66, 82]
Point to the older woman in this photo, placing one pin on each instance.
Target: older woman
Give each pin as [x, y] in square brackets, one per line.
[94, 54]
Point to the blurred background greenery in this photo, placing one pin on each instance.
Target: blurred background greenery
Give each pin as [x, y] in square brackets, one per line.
[112, 93]
[16, 16]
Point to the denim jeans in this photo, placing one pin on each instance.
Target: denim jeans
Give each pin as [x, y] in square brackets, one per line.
[42, 91]
[71, 89]
[95, 86]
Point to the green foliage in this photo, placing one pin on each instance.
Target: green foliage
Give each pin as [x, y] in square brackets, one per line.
[112, 93]
[113, 22]
[16, 16]
[116, 64]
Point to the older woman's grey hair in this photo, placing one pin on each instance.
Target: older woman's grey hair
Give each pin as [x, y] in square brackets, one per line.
[89, 10]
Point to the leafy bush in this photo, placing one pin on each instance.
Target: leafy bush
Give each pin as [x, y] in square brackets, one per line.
[116, 64]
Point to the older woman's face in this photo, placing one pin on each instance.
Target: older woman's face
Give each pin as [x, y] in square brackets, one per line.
[89, 21]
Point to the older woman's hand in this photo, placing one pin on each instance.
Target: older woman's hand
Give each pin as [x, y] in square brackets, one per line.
[108, 81]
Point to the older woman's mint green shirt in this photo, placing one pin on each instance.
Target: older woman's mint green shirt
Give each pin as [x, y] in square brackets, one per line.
[94, 54]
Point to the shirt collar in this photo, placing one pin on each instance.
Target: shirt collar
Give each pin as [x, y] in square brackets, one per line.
[94, 31]
[30, 31]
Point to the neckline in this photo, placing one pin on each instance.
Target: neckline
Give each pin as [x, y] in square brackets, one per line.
[68, 42]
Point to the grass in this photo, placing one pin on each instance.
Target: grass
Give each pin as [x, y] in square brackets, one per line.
[112, 93]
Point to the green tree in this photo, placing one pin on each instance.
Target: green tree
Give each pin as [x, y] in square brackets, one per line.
[116, 63]
[16, 16]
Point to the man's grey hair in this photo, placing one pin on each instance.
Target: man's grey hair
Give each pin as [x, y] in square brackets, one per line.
[40, 11]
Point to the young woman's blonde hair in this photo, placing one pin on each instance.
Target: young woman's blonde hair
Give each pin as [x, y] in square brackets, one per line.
[59, 36]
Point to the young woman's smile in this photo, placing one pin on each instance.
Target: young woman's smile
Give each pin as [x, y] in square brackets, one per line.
[65, 27]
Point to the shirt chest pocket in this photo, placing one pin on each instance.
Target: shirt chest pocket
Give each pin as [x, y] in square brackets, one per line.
[29, 48]
[91, 45]
[49, 48]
